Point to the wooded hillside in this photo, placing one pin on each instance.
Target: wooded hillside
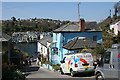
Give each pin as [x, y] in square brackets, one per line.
[39, 25]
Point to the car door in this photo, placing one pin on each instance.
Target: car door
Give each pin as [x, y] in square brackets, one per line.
[107, 66]
[115, 62]
[64, 65]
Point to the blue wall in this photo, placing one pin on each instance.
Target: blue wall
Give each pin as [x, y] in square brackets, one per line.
[64, 38]
[71, 36]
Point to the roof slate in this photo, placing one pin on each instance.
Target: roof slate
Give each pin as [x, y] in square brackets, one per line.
[4, 37]
[45, 40]
[115, 21]
[74, 27]
[80, 43]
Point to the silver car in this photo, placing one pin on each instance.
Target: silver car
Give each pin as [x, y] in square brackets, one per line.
[109, 67]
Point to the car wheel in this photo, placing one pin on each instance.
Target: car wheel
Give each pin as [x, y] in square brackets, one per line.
[61, 71]
[72, 73]
[99, 77]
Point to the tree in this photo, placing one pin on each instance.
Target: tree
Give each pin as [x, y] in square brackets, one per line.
[25, 55]
[117, 8]
[13, 18]
[18, 19]
[99, 51]
[117, 38]
[35, 18]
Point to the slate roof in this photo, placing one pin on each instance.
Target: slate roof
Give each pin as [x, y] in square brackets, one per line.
[116, 21]
[45, 40]
[4, 37]
[52, 44]
[116, 45]
[80, 43]
[74, 27]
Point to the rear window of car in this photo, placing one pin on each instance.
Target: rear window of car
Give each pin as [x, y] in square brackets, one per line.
[69, 58]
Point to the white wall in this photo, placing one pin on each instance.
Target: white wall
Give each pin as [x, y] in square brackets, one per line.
[48, 44]
[116, 27]
[111, 26]
[42, 49]
[38, 47]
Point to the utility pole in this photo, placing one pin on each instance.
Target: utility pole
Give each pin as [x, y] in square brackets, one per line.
[78, 11]
[110, 12]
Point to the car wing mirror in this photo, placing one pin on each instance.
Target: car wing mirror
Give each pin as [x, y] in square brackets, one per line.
[62, 61]
[100, 63]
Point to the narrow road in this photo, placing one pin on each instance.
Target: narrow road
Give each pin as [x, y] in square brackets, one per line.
[34, 71]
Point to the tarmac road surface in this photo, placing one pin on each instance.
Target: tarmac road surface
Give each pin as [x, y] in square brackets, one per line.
[34, 72]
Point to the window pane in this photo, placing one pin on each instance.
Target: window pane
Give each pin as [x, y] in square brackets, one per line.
[95, 38]
[107, 58]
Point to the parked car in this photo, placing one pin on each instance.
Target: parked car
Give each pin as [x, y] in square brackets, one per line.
[77, 63]
[109, 65]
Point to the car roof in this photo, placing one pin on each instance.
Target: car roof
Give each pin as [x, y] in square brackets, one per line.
[76, 54]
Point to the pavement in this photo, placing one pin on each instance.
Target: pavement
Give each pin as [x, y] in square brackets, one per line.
[34, 71]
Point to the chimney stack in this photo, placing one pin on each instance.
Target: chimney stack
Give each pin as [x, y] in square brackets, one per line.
[82, 25]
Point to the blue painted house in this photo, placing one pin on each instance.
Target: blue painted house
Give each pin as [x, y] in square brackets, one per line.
[70, 31]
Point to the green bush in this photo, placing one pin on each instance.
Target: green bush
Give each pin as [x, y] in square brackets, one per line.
[99, 50]
[10, 72]
[12, 75]
[112, 31]
[86, 50]
[46, 62]
[56, 67]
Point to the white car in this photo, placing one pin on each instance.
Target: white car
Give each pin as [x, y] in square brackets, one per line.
[77, 63]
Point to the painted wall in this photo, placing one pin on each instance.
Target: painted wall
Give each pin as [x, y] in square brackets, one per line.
[70, 36]
[64, 38]
[116, 27]
[54, 57]
[42, 49]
